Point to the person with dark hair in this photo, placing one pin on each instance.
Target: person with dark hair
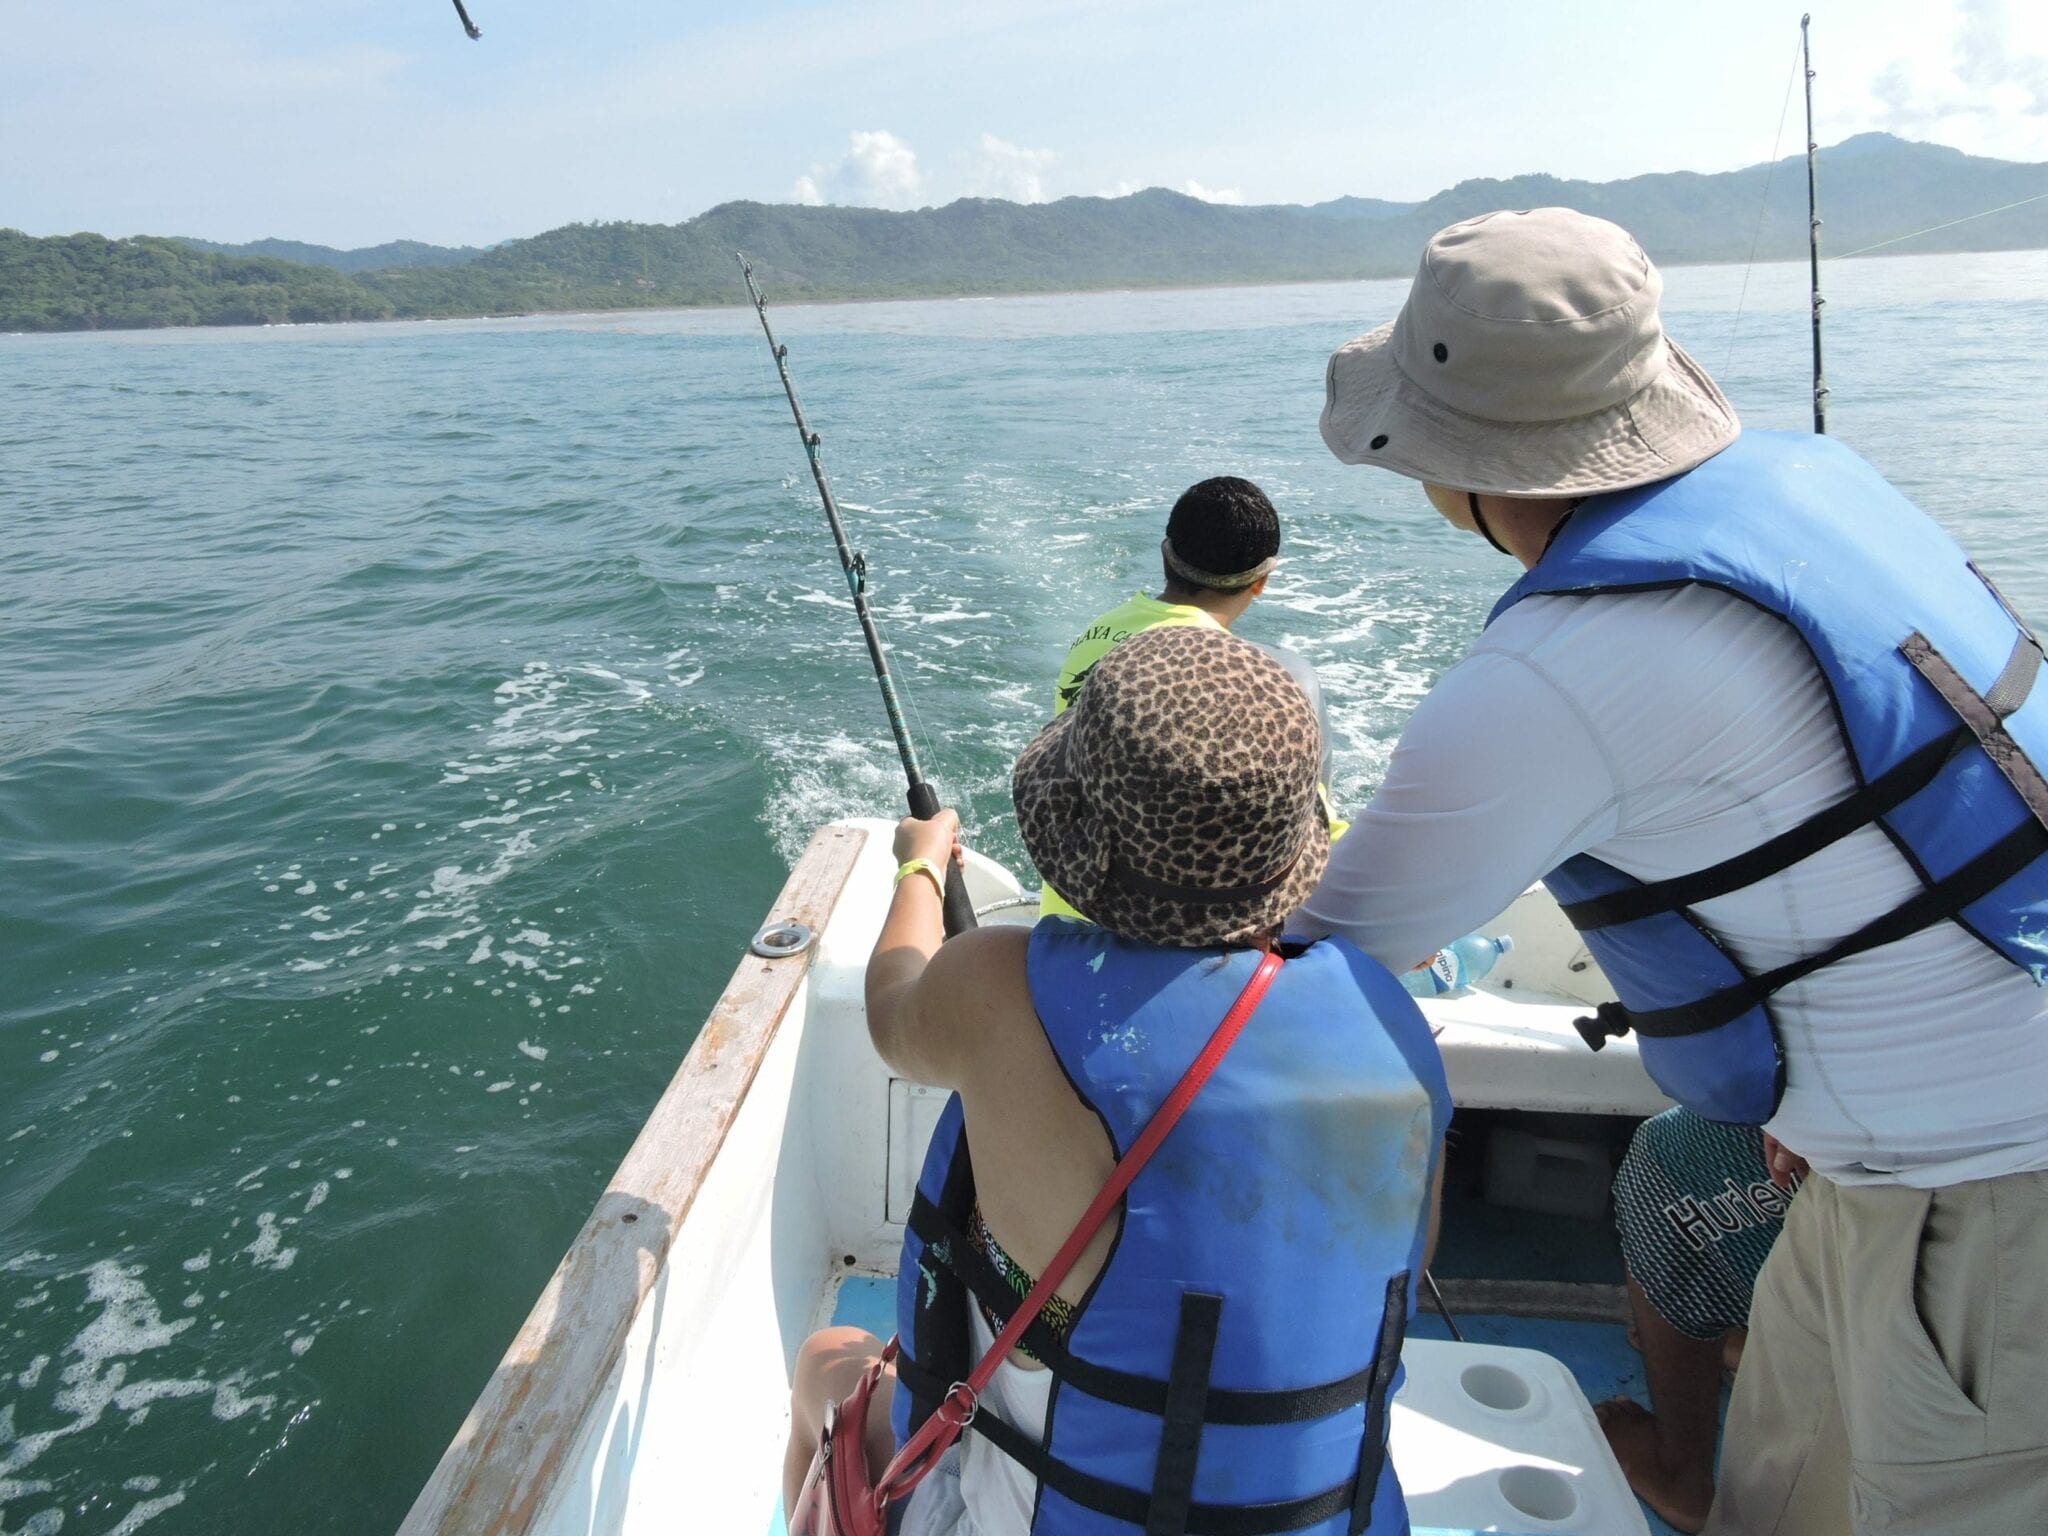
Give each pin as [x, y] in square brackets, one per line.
[1222, 543]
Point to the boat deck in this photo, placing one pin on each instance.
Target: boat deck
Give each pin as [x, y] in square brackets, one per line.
[1597, 1354]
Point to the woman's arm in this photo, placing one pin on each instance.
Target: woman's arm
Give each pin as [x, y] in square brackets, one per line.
[910, 936]
[945, 1015]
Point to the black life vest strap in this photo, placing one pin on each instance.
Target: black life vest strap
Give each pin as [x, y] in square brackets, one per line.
[940, 1331]
[1134, 1506]
[1186, 1403]
[1881, 795]
[1935, 903]
[1386, 1359]
[950, 1247]
[1983, 716]
[1187, 1397]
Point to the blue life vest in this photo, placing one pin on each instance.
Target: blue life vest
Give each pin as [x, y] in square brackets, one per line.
[1229, 1370]
[1932, 677]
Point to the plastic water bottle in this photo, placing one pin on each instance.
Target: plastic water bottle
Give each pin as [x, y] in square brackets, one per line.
[1457, 965]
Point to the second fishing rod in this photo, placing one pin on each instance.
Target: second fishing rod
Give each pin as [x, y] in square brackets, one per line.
[924, 799]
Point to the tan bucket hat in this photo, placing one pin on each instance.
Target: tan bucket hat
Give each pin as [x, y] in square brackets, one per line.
[1528, 361]
[1176, 802]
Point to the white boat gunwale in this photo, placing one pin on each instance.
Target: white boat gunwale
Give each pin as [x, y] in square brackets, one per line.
[498, 1471]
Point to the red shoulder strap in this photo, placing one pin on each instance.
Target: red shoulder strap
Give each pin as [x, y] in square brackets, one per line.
[930, 1439]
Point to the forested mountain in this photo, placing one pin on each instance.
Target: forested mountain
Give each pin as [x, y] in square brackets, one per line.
[1361, 208]
[369, 258]
[1873, 188]
[84, 282]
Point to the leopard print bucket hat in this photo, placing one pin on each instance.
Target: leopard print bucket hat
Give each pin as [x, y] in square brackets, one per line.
[1175, 803]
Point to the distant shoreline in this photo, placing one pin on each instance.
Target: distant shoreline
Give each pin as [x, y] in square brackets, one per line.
[827, 302]
[1875, 190]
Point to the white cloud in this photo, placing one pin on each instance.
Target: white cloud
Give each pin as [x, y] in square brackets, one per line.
[1989, 78]
[1230, 195]
[1989, 57]
[1002, 169]
[878, 170]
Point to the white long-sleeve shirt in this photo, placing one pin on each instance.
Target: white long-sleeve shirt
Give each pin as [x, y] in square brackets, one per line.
[1663, 732]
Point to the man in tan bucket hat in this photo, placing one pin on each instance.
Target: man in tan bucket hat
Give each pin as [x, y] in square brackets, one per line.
[1775, 746]
[1527, 362]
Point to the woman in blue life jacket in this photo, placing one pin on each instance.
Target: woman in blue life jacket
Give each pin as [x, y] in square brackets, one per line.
[1222, 1354]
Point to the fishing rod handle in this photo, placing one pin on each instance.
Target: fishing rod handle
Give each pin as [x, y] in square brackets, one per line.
[958, 906]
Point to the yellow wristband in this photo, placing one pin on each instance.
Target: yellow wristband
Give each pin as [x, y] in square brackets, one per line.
[925, 866]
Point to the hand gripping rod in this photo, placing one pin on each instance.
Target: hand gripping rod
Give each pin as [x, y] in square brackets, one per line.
[924, 800]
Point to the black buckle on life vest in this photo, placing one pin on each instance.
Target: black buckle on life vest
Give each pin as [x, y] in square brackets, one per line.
[1607, 1022]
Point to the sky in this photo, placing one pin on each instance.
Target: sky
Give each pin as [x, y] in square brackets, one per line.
[351, 122]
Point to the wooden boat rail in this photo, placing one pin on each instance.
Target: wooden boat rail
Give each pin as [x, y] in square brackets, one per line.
[495, 1476]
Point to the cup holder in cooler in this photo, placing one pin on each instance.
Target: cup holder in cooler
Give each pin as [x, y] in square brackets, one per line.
[1539, 1493]
[1496, 1387]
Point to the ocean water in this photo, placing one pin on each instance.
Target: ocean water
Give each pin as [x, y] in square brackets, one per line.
[402, 728]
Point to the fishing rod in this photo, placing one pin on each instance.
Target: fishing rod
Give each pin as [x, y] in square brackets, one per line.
[468, 26]
[1820, 382]
[924, 800]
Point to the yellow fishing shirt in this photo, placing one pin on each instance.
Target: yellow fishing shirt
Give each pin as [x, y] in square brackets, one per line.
[1120, 623]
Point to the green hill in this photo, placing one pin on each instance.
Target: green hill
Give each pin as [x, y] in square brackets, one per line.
[1873, 188]
[85, 282]
[369, 258]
